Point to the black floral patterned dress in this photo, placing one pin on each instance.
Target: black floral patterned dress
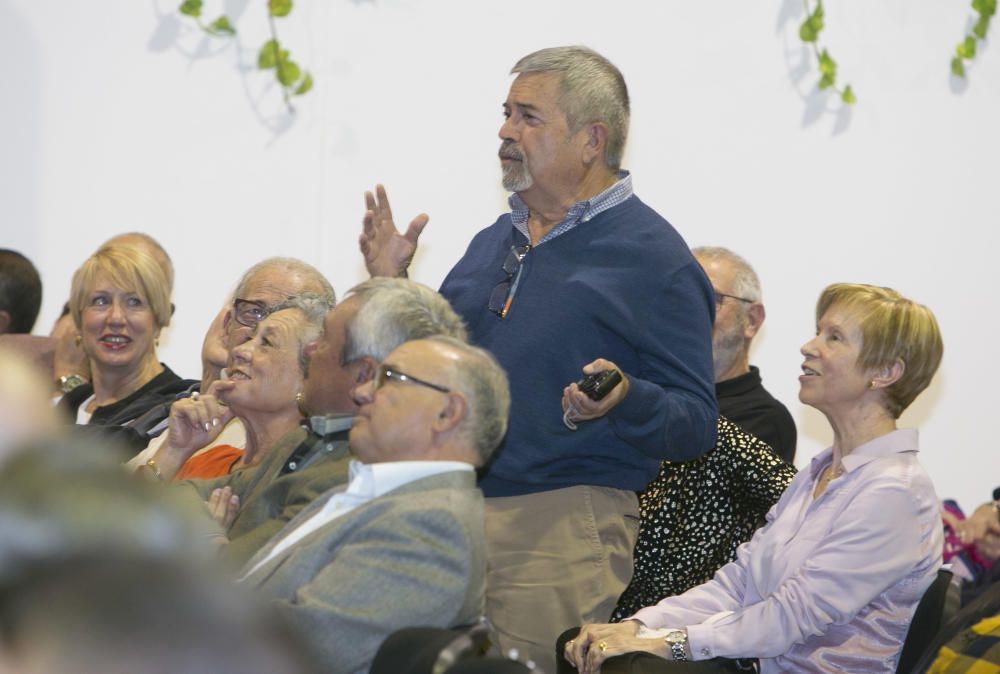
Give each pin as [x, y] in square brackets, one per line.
[694, 515]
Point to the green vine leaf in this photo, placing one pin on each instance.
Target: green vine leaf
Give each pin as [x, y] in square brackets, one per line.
[289, 73]
[268, 56]
[222, 26]
[279, 7]
[190, 8]
[809, 33]
[810, 29]
[827, 65]
[305, 85]
[967, 48]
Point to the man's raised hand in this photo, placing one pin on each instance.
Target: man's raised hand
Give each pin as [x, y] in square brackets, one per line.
[386, 251]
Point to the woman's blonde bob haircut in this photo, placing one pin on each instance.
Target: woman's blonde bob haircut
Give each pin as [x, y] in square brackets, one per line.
[892, 328]
[129, 268]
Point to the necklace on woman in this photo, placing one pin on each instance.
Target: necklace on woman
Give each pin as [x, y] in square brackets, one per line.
[828, 475]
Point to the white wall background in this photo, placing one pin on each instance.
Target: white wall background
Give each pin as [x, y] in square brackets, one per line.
[121, 115]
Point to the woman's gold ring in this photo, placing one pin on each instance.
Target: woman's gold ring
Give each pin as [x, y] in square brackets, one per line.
[603, 646]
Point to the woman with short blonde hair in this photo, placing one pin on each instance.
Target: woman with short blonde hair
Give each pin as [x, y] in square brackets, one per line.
[119, 302]
[831, 582]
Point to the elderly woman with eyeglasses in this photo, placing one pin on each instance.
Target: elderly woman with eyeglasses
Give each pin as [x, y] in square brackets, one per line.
[120, 301]
[831, 582]
[262, 389]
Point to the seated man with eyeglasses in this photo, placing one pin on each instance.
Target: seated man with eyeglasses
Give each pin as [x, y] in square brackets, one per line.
[261, 288]
[404, 543]
[739, 314]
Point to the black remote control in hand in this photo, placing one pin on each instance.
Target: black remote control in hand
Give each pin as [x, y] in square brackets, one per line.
[599, 384]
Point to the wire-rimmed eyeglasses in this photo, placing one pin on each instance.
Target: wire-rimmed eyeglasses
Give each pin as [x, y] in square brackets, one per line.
[720, 298]
[387, 372]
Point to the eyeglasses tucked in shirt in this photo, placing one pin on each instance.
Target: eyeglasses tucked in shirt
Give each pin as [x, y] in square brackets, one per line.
[503, 293]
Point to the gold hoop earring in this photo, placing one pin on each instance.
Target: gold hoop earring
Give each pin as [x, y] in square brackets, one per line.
[78, 340]
[299, 397]
[871, 384]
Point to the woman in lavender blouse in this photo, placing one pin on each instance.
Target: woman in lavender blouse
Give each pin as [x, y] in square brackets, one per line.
[831, 582]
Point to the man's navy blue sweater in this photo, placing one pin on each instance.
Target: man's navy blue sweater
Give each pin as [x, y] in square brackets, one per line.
[621, 286]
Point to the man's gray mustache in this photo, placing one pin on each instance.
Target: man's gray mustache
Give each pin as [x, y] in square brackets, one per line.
[509, 152]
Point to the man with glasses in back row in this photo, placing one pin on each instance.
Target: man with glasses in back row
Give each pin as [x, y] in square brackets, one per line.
[579, 277]
[739, 314]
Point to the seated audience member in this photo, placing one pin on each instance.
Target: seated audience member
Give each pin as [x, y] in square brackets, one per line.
[25, 408]
[70, 365]
[261, 288]
[831, 582]
[695, 515]
[20, 300]
[739, 314]
[263, 390]
[376, 317]
[20, 293]
[119, 302]
[972, 545]
[404, 544]
[78, 595]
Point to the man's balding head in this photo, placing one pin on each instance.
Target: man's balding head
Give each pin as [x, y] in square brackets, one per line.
[436, 399]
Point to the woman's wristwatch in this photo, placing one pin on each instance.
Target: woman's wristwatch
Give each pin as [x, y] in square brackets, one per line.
[677, 641]
[68, 382]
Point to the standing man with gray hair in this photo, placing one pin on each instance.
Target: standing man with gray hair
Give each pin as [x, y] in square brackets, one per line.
[580, 277]
[739, 313]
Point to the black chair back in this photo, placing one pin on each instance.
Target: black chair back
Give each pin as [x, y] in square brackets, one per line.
[939, 603]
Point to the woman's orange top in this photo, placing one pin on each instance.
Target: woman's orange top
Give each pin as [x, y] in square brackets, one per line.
[214, 462]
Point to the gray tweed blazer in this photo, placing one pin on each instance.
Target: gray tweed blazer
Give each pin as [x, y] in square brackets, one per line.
[415, 556]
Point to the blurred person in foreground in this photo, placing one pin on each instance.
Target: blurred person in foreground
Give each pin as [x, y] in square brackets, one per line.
[100, 574]
[831, 582]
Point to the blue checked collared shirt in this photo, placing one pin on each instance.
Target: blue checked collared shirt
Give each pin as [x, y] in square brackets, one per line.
[581, 211]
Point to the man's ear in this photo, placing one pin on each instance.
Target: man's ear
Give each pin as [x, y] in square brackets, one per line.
[452, 413]
[597, 142]
[364, 370]
[755, 319]
[4, 322]
[888, 375]
[226, 320]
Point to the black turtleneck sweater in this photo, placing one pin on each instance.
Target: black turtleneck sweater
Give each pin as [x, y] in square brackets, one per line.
[744, 401]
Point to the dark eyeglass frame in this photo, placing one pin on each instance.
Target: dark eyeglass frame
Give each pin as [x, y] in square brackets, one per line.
[387, 372]
[241, 309]
[720, 299]
[502, 295]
